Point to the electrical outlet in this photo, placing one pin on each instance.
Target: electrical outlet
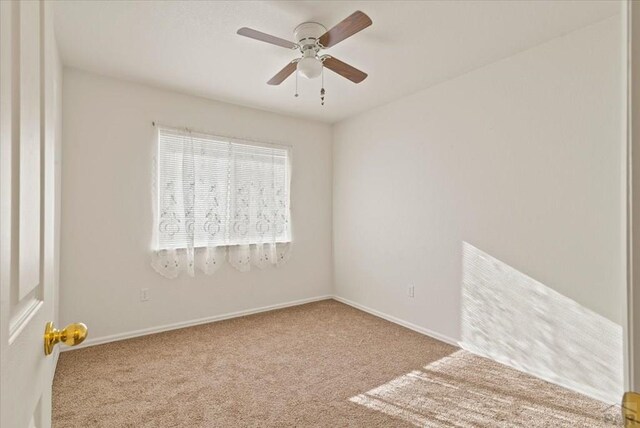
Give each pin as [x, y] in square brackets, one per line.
[411, 291]
[144, 294]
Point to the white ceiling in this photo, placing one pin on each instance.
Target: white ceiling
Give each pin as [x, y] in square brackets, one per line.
[192, 47]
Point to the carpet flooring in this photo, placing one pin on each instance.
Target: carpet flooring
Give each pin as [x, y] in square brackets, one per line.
[323, 364]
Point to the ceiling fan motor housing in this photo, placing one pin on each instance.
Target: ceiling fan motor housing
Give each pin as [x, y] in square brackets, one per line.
[307, 34]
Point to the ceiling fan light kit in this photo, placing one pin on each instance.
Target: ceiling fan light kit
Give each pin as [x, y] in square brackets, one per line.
[309, 67]
[311, 38]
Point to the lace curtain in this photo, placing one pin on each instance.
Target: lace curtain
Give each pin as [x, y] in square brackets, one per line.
[219, 199]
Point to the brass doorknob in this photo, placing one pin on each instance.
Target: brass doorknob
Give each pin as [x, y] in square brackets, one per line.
[631, 409]
[72, 335]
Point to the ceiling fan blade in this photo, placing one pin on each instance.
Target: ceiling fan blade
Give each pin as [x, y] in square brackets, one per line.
[344, 69]
[264, 37]
[283, 74]
[349, 26]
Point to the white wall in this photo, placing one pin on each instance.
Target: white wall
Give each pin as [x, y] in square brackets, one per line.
[107, 210]
[521, 160]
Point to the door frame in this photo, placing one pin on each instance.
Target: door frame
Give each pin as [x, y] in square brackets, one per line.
[632, 70]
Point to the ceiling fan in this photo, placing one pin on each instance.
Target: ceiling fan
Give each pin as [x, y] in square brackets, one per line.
[311, 38]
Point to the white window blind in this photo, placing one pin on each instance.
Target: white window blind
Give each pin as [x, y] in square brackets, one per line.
[214, 191]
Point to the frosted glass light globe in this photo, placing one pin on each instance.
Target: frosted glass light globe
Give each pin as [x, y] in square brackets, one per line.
[310, 67]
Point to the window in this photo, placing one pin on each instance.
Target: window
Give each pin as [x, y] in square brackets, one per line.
[215, 191]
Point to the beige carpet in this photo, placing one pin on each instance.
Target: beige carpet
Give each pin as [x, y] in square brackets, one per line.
[322, 364]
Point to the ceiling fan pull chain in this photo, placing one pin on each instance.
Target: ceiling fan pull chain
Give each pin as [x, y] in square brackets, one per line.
[296, 84]
[322, 88]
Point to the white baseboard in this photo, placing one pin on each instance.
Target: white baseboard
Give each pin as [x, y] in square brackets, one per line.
[399, 321]
[546, 376]
[560, 382]
[206, 320]
[183, 324]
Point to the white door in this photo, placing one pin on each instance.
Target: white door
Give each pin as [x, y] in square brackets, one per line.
[27, 212]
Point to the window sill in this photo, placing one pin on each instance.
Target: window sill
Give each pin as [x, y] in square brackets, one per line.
[225, 246]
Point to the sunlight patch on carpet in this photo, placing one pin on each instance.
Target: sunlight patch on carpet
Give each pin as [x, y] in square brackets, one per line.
[469, 390]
